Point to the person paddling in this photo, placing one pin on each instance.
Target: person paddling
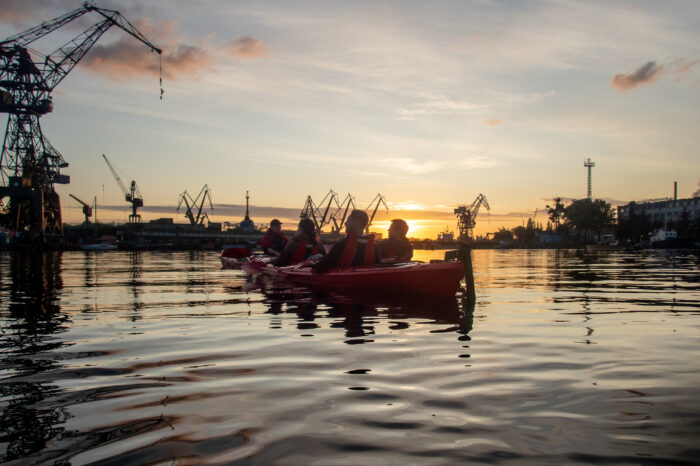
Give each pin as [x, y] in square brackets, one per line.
[396, 247]
[275, 240]
[301, 247]
[353, 250]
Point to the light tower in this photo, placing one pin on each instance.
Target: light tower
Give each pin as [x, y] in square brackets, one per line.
[588, 164]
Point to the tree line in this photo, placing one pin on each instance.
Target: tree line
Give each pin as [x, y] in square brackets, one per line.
[585, 221]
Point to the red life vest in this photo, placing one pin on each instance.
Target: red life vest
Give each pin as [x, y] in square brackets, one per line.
[351, 248]
[300, 254]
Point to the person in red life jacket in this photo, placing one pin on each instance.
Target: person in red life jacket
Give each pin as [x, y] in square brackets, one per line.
[302, 246]
[396, 247]
[354, 249]
[274, 241]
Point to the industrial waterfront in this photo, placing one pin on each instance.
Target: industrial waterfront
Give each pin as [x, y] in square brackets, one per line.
[148, 357]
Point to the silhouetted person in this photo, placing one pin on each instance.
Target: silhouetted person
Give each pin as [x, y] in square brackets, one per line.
[353, 250]
[274, 241]
[396, 246]
[302, 246]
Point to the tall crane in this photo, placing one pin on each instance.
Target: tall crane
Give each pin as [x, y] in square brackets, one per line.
[349, 203]
[321, 216]
[87, 208]
[466, 217]
[29, 164]
[132, 196]
[198, 203]
[379, 199]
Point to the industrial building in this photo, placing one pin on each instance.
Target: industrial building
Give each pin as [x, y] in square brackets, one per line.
[663, 211]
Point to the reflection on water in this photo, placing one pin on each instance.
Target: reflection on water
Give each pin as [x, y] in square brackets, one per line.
[164, 357]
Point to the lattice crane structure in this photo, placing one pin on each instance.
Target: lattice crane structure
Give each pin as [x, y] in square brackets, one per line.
[132, 196]
[379, 200]
[331, 211]
[466, 217]
[198, 204]
[29, 164]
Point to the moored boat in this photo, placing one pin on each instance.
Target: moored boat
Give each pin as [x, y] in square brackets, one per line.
[232, 257]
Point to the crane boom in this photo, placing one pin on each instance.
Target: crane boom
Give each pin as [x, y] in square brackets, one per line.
[59, 63]
[82, 202]
[379, 199]
[116, 177]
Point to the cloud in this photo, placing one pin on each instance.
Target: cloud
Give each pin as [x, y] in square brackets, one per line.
[20, 12]
[646, 74]
[127, 58]
[245, 47]
[683, 66]
[439, 105]
[492, 122]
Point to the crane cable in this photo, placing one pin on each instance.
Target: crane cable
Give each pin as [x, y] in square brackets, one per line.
[160, 70]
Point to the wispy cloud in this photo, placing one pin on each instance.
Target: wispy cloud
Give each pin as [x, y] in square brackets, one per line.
[644, 75]
[440, 105]
[492, 122]
[245, 47]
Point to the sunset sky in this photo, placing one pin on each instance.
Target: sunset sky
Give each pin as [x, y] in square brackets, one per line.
[428, 103]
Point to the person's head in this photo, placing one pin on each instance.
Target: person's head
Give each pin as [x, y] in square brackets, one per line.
[275, 225]
[307, 229]
[398, 228]
[356, 222]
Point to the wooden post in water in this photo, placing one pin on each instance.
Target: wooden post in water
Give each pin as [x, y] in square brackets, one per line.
[465, 255]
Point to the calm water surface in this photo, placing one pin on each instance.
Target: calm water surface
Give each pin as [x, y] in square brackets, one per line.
[165, 358]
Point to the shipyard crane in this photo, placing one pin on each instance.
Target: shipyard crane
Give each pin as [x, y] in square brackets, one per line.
[87, 208]
[320, 216]
[349, 203]
[198, 203]
[379, 199]
[29, 164]
[466, 217]
[132, 196]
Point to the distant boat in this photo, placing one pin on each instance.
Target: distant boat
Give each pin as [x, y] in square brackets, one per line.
[98, 247]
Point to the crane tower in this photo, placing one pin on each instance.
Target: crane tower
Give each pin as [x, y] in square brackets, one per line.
[466, 217]
[29, 165]
[588, 164]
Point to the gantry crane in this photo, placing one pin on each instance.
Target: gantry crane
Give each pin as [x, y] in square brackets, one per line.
[29, 165]
[132, 196]
[466, 217]
[87, 208]
[379, 199]
[190, 204]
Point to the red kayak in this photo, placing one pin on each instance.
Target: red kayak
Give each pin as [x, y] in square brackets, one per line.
[439, 278]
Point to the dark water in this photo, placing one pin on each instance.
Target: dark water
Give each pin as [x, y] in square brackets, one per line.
[165, 358]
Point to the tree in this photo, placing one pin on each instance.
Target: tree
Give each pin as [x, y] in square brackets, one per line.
[585, 215]
[556, 213]
[503, 234]
[634, 227]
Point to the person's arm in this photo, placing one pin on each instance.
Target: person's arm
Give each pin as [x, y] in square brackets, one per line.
[330, 260]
